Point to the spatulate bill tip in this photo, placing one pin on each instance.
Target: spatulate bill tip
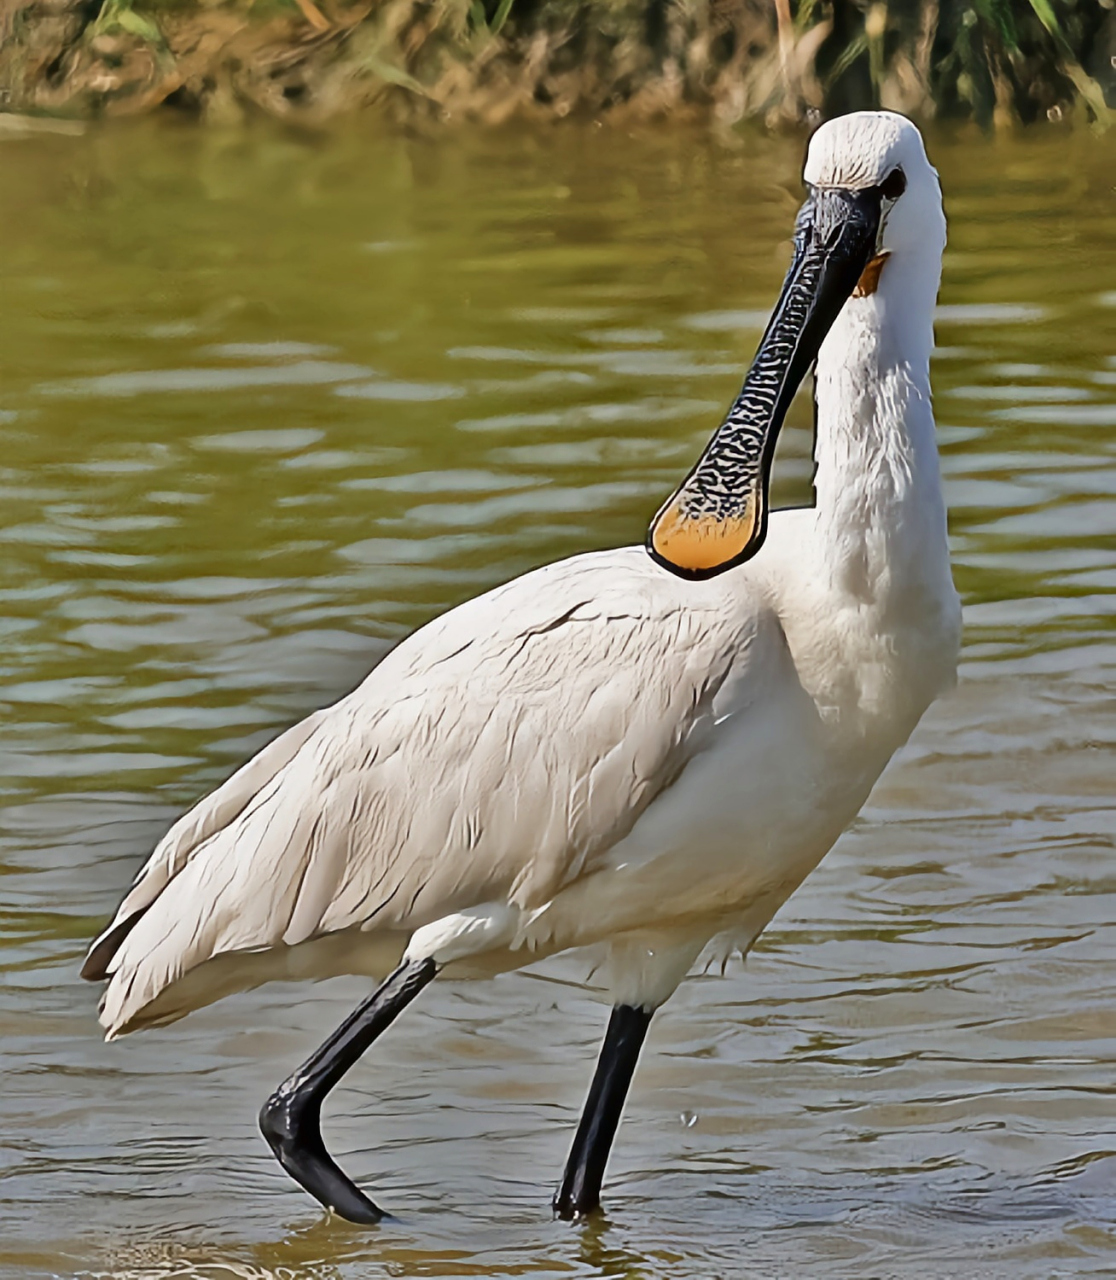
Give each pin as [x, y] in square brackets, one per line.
[699, 545]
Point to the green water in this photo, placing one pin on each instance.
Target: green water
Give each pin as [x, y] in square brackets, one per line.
[269, 401]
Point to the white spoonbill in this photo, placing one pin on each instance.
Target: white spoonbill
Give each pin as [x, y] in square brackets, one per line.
[641, 748]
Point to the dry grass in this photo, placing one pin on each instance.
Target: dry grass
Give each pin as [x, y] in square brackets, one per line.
[998, 62]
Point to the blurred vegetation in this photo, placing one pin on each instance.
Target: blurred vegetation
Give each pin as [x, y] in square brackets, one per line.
[996, 62]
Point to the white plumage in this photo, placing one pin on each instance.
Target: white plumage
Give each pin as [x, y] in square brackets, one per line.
[496, 756]
[601, 751]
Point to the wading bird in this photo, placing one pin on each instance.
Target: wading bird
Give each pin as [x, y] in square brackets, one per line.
[646, 748]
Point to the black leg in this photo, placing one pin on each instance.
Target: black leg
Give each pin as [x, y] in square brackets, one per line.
[290, 1119]
[580, 1192]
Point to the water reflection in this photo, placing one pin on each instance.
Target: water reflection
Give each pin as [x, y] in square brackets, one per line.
[266, 404]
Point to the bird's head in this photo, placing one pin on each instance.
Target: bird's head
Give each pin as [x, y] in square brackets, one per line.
[880, 157]
[873, 203]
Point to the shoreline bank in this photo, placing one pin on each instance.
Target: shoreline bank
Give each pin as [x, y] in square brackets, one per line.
[440, 61]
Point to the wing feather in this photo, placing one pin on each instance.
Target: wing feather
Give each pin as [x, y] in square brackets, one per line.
[494, 755]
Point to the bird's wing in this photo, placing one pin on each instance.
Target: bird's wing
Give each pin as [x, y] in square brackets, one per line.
[494, 755]
[209, 816]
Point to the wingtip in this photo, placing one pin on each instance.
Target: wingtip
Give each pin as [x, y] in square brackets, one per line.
[92, 967]
[95, 967]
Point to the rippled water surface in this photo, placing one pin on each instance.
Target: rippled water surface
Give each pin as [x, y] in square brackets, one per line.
[267, 402]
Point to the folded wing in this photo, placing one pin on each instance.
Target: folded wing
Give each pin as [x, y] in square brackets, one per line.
[493, 756]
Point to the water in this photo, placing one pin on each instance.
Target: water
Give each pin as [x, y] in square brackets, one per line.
[267, 402]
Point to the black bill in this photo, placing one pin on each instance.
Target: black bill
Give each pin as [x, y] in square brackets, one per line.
[717, 518]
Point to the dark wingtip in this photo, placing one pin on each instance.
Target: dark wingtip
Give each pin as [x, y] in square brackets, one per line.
[95, 967]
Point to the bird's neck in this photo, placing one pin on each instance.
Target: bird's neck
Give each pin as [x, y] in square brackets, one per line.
[878, 552]
[879, 513]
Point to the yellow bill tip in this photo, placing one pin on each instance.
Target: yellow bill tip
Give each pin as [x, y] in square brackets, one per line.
[701, 546]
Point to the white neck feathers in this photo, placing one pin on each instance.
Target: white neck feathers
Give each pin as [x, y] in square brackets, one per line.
[880, 514]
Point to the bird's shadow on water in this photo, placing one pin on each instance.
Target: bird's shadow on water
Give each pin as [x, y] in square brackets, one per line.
[326, 1248]
[330, 1248]
[605, 1259]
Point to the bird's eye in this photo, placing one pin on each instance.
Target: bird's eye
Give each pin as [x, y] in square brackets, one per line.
[893, 185]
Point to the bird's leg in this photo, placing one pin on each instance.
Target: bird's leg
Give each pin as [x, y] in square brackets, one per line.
[580, 1192]
[290, 1119]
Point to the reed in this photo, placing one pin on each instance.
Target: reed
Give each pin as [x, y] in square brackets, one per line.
[999, 63]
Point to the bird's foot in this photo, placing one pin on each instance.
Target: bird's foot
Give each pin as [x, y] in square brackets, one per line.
[570, 1207]
[291, 1127]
